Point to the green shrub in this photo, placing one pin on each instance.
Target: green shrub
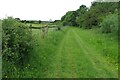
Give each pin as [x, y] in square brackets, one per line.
[110, 23]
[16, 41]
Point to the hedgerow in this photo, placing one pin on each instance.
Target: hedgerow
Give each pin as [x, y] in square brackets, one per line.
[16, 41]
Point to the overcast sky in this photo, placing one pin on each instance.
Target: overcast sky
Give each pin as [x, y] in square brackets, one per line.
[39, 9]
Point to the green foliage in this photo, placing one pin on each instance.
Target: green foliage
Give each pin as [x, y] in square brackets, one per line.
[16, 41]
[80, 15]
[69, 18]
[82, 10]
[95, 14]
[90, 19]
[87, 18]
[110, 23]
[105, 7]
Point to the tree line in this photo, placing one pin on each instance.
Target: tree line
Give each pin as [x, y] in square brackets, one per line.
[101, 14]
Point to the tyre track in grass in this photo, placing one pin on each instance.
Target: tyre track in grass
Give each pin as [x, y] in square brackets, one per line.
[75, 58]
[102, 66]
[63, 65]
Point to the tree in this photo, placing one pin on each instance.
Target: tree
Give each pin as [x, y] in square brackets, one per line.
[87, 18]
[95, 15]
[69, 18]
[80, 13]
[39, 21]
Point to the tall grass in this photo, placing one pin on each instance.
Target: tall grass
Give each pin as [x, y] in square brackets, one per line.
[43, 52]
[105, 44]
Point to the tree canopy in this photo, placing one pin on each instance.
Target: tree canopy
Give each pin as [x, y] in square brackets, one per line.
[88, 17]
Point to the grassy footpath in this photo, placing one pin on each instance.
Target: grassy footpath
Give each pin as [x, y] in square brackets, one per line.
[104, 44]
[72, 53]
[77, 58]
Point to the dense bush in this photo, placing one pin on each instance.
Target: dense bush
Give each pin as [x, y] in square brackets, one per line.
[110, 23]
[16, 41]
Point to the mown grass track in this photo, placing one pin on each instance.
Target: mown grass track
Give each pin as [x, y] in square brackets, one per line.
[76, 58]
[72, 53]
